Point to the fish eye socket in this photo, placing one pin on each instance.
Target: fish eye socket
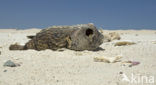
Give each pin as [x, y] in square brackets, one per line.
[89, 32]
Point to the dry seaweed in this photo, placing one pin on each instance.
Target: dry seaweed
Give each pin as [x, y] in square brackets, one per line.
[122, 43]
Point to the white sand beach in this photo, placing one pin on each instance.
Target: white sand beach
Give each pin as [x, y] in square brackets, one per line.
[68, 67]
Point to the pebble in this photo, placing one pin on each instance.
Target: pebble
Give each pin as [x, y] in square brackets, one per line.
[134, 63]
[9, 63]
[120, 72]
[136, 34]
[57, 80]
[5, 71]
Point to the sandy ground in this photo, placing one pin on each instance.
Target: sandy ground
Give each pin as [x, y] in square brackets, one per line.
[70, 67]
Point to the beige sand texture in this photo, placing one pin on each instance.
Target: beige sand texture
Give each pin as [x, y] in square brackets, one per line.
[68, 67]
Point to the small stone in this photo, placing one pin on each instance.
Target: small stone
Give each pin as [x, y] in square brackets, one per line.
[57, 80]
[9, 63]
[19, 83]
[134, 63]
[5, 71]
[53, 76]
[120, 72]
[136, 34]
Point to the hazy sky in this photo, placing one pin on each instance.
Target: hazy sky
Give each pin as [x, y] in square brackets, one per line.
[109, 14]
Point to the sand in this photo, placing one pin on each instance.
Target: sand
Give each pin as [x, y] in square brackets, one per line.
[68, 67]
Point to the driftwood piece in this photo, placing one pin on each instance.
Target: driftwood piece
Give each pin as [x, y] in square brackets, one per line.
[76, 37]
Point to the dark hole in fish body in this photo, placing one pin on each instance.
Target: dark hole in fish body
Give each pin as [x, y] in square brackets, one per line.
[89, 32]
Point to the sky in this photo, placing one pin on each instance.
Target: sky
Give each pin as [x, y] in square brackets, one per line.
[107, 14]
